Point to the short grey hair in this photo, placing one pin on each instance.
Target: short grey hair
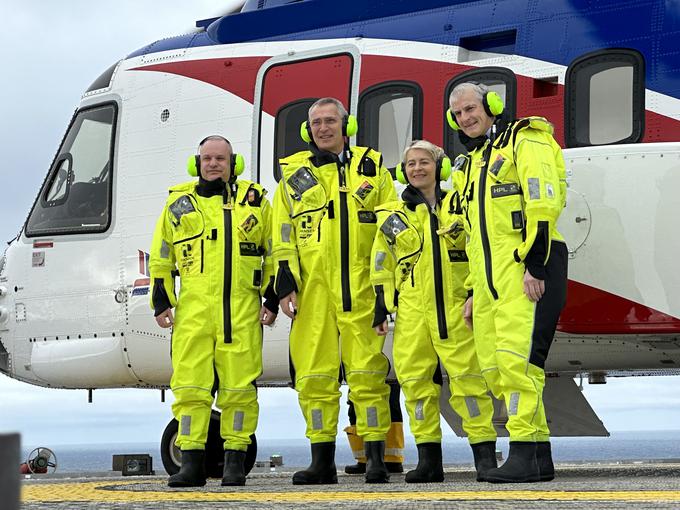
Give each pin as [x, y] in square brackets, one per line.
[217, 138]
[478, 88]
[435, 151]
[328, 100]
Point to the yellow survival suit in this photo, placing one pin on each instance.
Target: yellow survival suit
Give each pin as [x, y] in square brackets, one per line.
[325, 224]
[513, 193]
[215, 237]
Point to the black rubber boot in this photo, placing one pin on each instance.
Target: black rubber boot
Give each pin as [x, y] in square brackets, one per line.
[192, 472]
[376, 471]
[234, 471]
[322, 469]
[360, 468]
[429, 468]
[394, 467]
[521, 466]
[546, 469]
[356, 469]
[485, 458]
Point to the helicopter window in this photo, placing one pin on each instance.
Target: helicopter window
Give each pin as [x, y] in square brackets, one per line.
[287, 138]
[605, 98]
[498, 79]
[76, 195]
[390, 118]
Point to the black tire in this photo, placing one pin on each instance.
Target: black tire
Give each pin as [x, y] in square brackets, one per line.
[214, 455]
[170, 454]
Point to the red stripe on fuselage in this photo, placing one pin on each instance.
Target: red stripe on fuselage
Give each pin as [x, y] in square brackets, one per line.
[238, 75]
[593, 311]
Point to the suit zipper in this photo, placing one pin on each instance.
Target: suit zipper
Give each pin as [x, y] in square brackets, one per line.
[438, 276]
[226, 293]
[344, 243]
[486, 246]
[202, 250]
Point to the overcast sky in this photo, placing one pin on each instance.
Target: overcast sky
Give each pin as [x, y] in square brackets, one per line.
[52, 52]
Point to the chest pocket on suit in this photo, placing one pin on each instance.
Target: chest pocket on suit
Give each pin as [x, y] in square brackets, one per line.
[249, 225]
[365, 194]
[189, 225]
[305, 192]
[308, 199]
[404, 239]
[250, 251]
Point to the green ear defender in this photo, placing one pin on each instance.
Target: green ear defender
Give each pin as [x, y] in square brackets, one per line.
[451, 121]
[399, 172]
[443, 168]
[237, 165]
[349, 128]
[492, 103]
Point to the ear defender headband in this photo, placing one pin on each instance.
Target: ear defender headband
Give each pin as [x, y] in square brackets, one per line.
[443, 168]
[349, 128]
[236, 163]
[492, 103]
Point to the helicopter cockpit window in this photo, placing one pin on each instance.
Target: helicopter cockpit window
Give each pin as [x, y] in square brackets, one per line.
[76, 196]
[390, 118]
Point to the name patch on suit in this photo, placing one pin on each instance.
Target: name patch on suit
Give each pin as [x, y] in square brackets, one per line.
[249, 249]
[367, 217]
[457, 256]
[504, 190]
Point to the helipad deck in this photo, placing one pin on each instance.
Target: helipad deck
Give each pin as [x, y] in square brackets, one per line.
[639, 486]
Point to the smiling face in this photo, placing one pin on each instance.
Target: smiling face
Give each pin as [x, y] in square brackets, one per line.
[326, 124]
[421, 170]
[470, 115]
[215, 157]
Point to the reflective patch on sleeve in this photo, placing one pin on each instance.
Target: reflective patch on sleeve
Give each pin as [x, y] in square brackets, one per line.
[419, 411]
[371, 417]
[549, 191]
[317, 419]
[269, 247]
[472, 406]
[285, 232]
[165, 250]
[513, 405]
[181, 206]
[380, 260]
[185, 425]
[534, 188]
[238, 421]
[392, 226]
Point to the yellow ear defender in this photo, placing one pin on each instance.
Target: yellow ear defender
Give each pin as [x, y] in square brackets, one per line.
[349, 128]
[492, 103]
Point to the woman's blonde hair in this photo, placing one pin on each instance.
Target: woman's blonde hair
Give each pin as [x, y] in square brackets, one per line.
[436, 152]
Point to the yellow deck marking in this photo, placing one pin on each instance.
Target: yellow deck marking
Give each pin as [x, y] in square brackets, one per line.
[96, 491]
